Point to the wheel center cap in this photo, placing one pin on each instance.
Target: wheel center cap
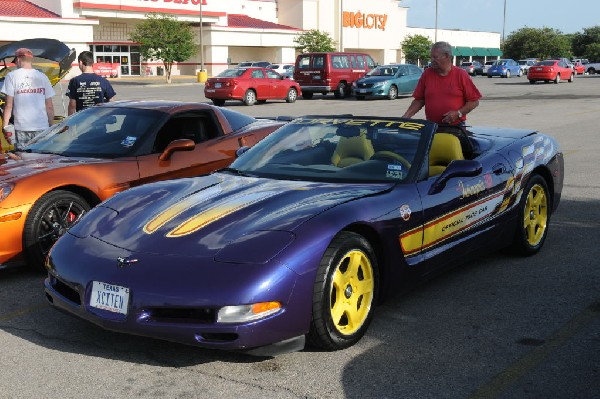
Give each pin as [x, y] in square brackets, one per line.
[348, 291]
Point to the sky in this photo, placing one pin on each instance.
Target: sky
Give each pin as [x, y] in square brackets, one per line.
[488, 15]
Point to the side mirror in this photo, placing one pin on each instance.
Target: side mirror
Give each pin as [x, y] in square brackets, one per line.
[457, 168]
[241, 151]
[177, 145]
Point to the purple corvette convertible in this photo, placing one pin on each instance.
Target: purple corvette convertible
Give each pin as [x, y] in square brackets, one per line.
[305, 232]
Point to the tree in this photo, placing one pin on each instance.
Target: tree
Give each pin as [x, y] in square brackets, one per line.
[314, 41]
[585, 44]
[416, 48]
[536, 43]
[163, 38]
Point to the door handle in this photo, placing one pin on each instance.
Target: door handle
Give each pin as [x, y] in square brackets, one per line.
[498, 169]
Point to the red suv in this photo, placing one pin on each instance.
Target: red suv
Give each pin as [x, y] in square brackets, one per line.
[330, 72]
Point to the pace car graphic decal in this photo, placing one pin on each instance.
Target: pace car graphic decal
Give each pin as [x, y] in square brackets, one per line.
[173, 211]
[449, 225]
[213, 211]
[467, 217]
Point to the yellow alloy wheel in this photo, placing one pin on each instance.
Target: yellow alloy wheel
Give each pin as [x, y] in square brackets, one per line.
[535, 215]
[352, 290]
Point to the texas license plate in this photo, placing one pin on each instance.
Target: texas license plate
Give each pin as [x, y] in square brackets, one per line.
[113, 298]
[362, 90]
[217, 85]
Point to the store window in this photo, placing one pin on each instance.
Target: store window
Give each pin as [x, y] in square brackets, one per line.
[128, 57]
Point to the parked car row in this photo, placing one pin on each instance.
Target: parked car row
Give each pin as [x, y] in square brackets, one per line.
[344, 74]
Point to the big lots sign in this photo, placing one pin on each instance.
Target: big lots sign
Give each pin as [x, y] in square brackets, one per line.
[363, 21]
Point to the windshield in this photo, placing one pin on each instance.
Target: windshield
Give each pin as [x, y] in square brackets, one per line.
[231, 73]
[98, 132]
[333, 149]
[383, 71]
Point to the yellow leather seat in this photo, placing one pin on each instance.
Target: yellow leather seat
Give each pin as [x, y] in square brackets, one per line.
[445, 148]
[351, 150]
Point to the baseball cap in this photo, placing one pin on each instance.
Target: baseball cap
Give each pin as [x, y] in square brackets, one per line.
[23, 52]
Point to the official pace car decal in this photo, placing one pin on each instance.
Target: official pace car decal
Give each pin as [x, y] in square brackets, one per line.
[487, 208]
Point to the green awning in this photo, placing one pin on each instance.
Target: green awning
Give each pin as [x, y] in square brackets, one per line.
[463, 51]
[494, 52]
[480, 51]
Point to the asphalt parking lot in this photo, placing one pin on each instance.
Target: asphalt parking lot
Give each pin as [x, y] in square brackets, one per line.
[499, 327]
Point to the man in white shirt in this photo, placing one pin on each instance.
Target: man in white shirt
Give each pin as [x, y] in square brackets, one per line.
[28, 100]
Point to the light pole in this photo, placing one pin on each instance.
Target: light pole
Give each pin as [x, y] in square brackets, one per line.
[504, 22]
[201, 41]
[436, 21]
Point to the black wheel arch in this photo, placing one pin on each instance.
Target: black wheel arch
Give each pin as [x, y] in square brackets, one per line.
[547, 176]
[88, 195]
[378, 245]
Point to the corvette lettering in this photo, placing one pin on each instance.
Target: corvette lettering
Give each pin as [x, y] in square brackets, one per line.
[363, 123]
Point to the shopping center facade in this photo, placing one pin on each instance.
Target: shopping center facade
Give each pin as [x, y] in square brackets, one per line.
[232, 31]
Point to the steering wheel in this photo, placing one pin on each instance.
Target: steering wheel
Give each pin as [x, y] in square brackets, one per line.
[383, 155]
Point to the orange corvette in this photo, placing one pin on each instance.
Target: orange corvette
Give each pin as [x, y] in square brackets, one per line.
[97, 152]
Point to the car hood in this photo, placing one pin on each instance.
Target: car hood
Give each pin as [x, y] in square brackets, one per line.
[43, 50]
[210, 212]
[28, 164]
[374, 79]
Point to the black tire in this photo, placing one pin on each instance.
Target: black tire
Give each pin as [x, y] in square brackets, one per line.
[393, 93]
[507, 74]
[249, 97]
[307, 96]
[292, 95]
[591, 71]
[571, 78]
[218, 103]
[341, 90]
[531, 81]
[261, 101]
[360, 98]
[557, 79]
[49, 218]
[533, 217]
[348, 260]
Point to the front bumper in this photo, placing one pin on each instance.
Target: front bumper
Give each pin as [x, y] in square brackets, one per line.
[167, 303]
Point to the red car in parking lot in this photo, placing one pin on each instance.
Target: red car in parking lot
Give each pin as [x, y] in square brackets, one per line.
[250, 85]
[550, 71]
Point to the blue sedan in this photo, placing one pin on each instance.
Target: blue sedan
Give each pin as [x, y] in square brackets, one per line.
[505, 69]
[387, 81]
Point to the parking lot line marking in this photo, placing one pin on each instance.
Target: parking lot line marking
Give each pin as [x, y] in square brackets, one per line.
[21, 312]
[532, 359]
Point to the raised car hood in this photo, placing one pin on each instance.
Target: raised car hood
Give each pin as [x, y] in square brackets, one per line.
[45, 49]
[205, 214]
[30, 164]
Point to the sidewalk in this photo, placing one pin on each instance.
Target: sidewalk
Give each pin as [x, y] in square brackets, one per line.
[150, 80]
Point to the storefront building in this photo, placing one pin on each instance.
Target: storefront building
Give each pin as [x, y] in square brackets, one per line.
[231, 31]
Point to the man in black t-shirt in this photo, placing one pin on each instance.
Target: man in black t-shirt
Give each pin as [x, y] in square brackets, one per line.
[88, 89]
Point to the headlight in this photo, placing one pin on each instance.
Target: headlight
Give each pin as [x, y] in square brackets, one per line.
[378, 84]
[245, 313]
[5, 190]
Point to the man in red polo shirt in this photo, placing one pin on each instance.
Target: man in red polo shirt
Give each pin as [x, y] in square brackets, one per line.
[447, 92]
